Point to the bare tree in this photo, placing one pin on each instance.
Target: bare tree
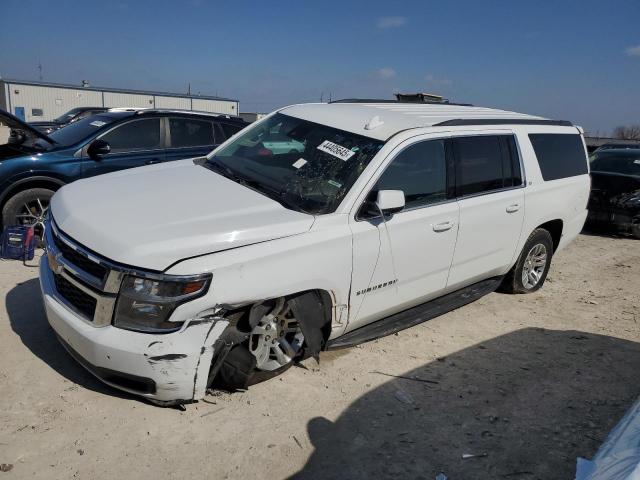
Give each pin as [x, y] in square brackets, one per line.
[631, 132]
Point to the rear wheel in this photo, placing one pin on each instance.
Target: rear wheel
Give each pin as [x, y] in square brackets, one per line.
[532, 267]
[28, 208]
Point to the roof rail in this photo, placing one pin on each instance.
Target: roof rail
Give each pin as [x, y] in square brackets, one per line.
[459, 122]
[376, 100]
[142, 111]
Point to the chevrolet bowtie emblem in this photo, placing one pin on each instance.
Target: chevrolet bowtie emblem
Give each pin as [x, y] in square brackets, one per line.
[53, 263]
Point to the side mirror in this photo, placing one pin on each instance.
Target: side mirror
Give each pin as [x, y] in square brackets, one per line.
[390, 201]
[98, 149]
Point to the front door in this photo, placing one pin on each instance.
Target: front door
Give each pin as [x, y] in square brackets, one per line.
[491, 198]
[133, 144]
[404, 260]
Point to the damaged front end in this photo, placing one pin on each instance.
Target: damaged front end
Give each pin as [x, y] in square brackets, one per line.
[239, 359]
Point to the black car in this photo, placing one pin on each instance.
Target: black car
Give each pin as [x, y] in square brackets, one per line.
[71, 116]
[617, 146]
[614, 203]
[34, 165]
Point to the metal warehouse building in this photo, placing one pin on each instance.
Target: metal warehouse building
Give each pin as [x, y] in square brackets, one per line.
[34, 101]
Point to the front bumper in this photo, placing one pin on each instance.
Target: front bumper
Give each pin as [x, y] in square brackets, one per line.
[167, 369]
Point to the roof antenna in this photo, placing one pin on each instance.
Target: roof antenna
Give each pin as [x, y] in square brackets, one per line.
[40, 70]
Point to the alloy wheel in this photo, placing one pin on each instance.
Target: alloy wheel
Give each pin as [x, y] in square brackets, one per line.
[534, 266]
[277, 339]
[33, 214]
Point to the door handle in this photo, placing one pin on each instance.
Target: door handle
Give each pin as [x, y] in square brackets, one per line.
[443, 227]
[152, 161]
[513, 208]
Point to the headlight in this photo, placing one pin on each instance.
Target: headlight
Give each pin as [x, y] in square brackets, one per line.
[145, 304]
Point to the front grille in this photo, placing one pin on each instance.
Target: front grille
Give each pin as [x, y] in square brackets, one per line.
[82, 302]
[79, 260]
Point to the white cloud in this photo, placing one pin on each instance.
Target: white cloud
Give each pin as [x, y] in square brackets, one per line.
[633, 51]
[386, 73]
[391, 22]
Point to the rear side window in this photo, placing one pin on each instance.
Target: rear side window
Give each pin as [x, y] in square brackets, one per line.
[559, 155]
[229, 129]
[485, 163]
[136, 135]
[186, 132]
[420, 172]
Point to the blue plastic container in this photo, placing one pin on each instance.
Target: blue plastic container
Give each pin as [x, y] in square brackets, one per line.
[18, 243]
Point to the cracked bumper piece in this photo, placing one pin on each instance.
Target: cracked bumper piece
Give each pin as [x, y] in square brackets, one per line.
[166, 369]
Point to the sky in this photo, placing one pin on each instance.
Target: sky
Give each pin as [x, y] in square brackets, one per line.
[562, 59]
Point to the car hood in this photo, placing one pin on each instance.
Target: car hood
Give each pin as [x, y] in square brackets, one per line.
[14, 123]
[153, 217]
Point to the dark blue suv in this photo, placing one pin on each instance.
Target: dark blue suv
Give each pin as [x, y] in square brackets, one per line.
[34, 165]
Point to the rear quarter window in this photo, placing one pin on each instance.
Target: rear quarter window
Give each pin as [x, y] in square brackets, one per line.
[559, 155]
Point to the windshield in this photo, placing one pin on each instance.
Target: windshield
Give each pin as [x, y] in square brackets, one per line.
[303, 165]
[78, 131]
[626, 163]
[66, 117]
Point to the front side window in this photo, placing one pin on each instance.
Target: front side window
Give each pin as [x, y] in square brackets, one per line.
[187, 132]
[136, 135]
[303, 165]
[420, 171]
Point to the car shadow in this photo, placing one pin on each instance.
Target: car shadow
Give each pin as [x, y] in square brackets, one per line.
[526, 404]
[28, 320]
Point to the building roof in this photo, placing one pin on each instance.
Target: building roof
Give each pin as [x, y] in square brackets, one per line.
[115, 90]
[395, 117]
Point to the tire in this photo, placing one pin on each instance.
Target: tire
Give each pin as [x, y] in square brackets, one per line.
[28, 208]
[538, 245]
[260, 376]
[273, 346]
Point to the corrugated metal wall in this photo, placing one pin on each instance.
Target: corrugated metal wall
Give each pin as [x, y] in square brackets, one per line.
[173, 102]
[215, 106]
[53, 101]
[129, 100]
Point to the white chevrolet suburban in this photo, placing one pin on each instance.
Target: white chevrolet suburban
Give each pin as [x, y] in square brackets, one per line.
[222, 271]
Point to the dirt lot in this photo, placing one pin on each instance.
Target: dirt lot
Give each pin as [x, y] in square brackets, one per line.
[531, 381]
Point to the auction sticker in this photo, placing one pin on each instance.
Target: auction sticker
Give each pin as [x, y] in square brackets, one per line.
[336, 150]
[98, 123]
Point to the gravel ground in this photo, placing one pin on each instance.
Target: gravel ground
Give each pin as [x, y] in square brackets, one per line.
[527, 383]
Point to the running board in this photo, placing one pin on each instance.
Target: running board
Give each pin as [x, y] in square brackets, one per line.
[416, 315]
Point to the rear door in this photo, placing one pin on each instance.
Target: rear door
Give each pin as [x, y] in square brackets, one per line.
[134, 143]
[190, 137]
[489, 188]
